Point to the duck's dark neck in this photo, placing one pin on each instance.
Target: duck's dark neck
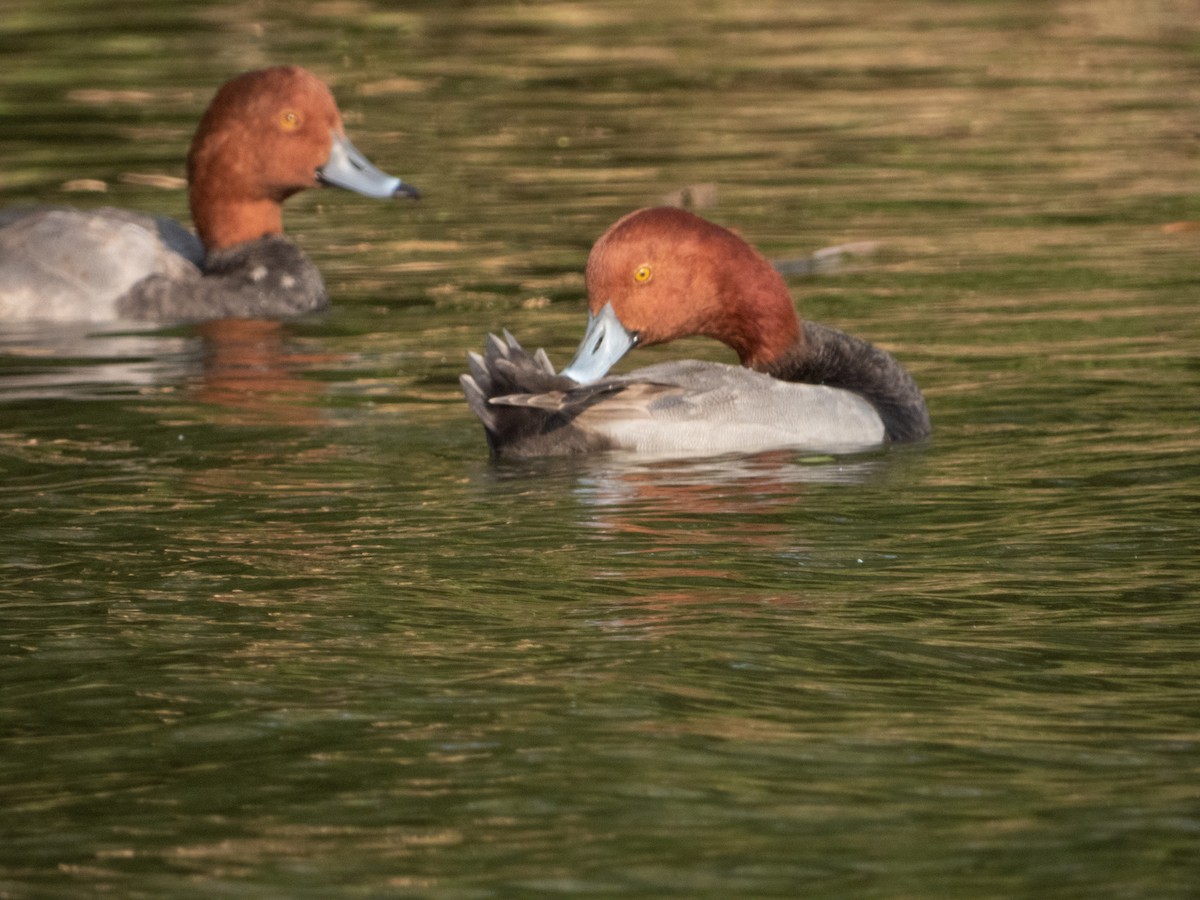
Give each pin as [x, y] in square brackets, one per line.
[831, 357]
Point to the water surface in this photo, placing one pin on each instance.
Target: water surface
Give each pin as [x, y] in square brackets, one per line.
[271, 624]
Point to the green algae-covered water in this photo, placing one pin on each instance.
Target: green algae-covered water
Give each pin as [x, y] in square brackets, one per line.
[271, 624]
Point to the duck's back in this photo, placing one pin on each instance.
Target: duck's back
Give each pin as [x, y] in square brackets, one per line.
[694, 407]
[59, 264]
[683, 408]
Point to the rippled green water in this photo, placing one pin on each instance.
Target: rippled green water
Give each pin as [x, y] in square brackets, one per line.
[272, 625]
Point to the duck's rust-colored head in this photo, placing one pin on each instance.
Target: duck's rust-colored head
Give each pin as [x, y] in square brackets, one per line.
[660, 274]
[266, 135]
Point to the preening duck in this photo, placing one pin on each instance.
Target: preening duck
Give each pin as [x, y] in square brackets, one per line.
[661, 274]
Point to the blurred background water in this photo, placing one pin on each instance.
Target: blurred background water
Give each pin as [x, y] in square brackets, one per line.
[271, 624]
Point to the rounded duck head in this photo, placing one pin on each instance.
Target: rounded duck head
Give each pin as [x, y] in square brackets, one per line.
[668, 274]
[266, 135]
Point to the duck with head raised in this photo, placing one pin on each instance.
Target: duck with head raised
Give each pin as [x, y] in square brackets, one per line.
[265, 136]
[661, 274]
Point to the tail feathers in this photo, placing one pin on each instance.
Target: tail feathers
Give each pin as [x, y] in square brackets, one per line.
[526, 408]
[477, 400]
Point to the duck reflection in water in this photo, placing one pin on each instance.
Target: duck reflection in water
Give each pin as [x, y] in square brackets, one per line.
[253, 374]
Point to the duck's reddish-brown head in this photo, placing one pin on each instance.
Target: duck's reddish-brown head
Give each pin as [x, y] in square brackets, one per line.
[665, 273]
[266, 135]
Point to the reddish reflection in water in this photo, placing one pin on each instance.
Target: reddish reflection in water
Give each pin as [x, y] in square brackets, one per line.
[256, 376]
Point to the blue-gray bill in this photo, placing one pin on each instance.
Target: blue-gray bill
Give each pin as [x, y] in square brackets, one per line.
[604, 342]
[348, 168]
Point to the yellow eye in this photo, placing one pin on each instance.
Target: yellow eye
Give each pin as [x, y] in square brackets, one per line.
[288, 120]
[642, 274]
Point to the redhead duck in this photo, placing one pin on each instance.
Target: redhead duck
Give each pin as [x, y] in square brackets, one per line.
[265, 136]
[660, 274]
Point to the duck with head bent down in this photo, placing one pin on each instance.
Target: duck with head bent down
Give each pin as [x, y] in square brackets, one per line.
[265, 136]
[661, 274]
